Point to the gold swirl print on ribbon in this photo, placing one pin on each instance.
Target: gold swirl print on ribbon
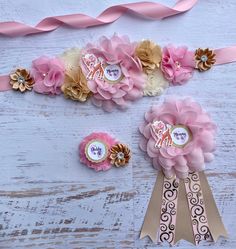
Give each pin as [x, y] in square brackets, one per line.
[168, 210]
[197, 208]
[182, 209]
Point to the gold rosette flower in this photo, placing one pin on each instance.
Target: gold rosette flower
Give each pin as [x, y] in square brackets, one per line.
[149, 54]
[119, 155]
[21, 80]
[75, 83]
[205, 59]
[156, 84]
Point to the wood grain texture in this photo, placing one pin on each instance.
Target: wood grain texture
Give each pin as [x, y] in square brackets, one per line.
[47, 198]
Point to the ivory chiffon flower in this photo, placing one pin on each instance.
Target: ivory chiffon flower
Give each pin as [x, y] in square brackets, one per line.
[177, 64]
[116, 52]
[156, 84]
[48, 74]
[192, 157]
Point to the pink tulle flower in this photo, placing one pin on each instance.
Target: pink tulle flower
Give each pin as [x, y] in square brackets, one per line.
[48, 74]
[83, 151]
[118, 51]
[177, 64]
[175, 160]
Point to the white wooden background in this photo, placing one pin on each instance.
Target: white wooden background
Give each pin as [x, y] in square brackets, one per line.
[47, 198]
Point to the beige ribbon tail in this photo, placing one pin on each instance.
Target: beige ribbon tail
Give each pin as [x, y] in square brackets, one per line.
[215, 223]
[184, 229]
[152, 218]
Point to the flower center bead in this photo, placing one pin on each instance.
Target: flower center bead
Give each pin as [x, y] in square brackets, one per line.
[178, 65]
[204, 58]
[120, 155]
[21, 80]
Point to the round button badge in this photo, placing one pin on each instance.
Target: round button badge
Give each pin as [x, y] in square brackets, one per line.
[96, 151]
[180, 135]
[113, 73]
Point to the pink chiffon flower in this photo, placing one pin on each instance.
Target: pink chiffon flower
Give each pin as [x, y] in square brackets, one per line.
[116, 51]
[180, 160]
[48, 74]
[104, 138]
[177, 64]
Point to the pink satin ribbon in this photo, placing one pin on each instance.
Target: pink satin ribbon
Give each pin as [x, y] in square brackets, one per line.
[4, 83]
[147, 10]
[225, 55]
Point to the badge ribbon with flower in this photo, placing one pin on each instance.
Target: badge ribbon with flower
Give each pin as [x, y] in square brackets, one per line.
[100, 151]
[114, 71]
[179, 138]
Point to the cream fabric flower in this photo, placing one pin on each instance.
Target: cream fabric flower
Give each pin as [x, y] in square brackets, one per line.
[156, 84]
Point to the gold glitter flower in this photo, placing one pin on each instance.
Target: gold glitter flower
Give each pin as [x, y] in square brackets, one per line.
[119, 155]
[149, 54]
[205, 59]
[75, 86]
[21, 80]
[75, 83]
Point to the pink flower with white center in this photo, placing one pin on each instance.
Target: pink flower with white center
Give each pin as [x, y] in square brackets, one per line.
[115, 76]
[177, 160]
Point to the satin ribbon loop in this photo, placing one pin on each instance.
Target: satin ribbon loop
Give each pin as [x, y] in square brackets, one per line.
[148, 10]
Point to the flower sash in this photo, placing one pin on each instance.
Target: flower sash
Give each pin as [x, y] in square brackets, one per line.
[110, 79]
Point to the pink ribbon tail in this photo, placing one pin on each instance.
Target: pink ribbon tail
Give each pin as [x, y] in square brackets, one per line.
[147, 10]
[225, 55]
[4, 83]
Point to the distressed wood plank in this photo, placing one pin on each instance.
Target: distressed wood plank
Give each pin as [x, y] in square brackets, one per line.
[47, 198]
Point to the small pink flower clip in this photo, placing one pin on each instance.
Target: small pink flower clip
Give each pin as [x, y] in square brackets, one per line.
[100, 151]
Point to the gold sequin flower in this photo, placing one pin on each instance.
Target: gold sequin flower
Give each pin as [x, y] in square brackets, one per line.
[21, 80]
[119, 155]
[75, 86]
[75, 83]
[205, 59]
[149, 54]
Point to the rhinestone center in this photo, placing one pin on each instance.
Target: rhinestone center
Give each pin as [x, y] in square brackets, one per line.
[120, 155]
[204, 58]
[21, 80]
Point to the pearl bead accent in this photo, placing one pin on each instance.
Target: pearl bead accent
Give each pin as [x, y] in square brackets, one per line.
[178, 65]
